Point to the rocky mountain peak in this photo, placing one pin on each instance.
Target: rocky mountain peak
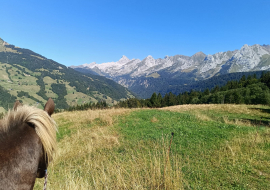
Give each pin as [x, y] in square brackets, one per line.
[123, 60]
[245, 50]
[247, 58]
[90, 65]
[149, 61]
[200, 53]
[245, 46]
[198, 57]
[124, 57]
[166, 57]
[209, 57]
[149, 57]
[251, 51]
[202, 66]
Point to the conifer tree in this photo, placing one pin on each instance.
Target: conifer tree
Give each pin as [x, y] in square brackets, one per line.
[153, 100]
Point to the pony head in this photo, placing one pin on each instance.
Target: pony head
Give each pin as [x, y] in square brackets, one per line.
[44, 126]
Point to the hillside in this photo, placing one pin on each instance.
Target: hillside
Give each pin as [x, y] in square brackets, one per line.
[251, 89]
[32, 78]
[219, 80]
[214, 147]
[149, 75]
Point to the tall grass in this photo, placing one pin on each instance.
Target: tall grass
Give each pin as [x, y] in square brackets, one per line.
[91, 157]
[128, 149]
[109, 169]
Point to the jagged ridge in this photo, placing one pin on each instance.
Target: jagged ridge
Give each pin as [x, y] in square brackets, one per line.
[136, 74]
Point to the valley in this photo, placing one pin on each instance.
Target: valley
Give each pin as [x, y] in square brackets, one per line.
[32, 79]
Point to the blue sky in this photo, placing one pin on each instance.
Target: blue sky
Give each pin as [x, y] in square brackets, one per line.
[78, 32]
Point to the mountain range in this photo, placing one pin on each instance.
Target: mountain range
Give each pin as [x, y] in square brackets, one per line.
[149, 75]
[32, 78]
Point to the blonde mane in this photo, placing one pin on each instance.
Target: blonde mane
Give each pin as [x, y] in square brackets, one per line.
[45, 126]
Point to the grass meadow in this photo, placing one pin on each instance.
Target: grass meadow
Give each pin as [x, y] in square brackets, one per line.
[213, 147]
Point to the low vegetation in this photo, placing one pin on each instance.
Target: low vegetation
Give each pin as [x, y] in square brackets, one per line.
[213, 147]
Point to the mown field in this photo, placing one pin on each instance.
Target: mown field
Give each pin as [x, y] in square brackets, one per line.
[214, 147]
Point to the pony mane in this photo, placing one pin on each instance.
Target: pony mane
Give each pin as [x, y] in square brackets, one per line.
[45, 126]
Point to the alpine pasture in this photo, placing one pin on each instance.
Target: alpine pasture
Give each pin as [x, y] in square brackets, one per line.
[213, 147]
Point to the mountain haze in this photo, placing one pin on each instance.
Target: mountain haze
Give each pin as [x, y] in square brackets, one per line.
[154, 75]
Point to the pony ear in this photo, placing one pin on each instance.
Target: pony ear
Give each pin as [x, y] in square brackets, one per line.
[16, 105]
[49, 107]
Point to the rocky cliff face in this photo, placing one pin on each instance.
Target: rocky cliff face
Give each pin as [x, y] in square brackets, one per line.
[135, 73]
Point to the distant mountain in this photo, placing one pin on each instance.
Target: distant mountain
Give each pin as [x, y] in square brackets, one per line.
[156, 75]
[220, 80]
[32, 78]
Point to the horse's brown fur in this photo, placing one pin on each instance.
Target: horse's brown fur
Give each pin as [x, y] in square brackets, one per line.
[27, 144]
[49, 107]
[19, 158]
[45, 126]
[16, 104]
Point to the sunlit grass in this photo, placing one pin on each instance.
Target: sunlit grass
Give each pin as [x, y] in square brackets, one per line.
[128, 149]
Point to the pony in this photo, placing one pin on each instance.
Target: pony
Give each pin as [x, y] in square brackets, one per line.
[27, 145]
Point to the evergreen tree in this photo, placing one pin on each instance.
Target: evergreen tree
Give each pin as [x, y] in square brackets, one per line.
[216, 89]
[172, 100]
[165, 101]
[238, 99]
[206, 92]
[159, 100]
[154, 100]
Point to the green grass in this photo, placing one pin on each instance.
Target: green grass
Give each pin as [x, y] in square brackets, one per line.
[64, 130]
[197, 142]
[253, 119]
[110, 149]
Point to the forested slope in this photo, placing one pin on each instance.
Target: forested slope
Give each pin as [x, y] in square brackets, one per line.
[247, 90]
[24, 71]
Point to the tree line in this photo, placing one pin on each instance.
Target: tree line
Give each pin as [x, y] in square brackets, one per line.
[90, 105]
[248, 90]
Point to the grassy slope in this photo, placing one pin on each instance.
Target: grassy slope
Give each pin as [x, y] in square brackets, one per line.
[15, 81]
[214, 147]
[25, 67]
[13, 84]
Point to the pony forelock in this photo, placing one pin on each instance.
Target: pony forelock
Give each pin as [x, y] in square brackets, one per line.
[45, 126]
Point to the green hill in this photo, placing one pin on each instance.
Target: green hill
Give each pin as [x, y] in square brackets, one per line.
[32, 78]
